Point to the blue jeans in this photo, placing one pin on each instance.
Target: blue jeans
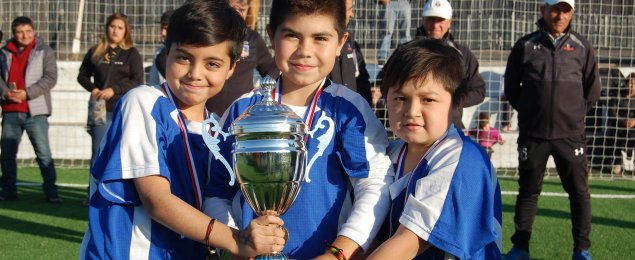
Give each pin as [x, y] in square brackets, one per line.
[395, 12]
[37, 127]
[97, 132]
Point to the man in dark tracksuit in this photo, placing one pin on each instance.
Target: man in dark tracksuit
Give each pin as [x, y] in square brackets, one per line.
[437, 18]
[350, 67]
[552, 80]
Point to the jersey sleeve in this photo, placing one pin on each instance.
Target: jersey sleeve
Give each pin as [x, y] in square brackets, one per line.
[454, 207]
[133, 147]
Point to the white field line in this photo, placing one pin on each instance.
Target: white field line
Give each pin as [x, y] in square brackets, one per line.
[564, 194]
[506, 193]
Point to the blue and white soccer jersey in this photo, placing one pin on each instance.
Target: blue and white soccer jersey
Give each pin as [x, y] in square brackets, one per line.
[144, 139]
[452, 200]
[349, 152]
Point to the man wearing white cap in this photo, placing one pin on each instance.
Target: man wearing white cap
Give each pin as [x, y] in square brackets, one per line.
[552, 80]
[437, 18]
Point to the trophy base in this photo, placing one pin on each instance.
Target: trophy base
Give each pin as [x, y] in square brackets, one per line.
[278, 256]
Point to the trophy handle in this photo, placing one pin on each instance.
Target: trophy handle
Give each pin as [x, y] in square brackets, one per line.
[323, 141]
[212, 144]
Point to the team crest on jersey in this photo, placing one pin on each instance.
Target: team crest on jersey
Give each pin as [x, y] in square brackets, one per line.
[568, 47]
[323, 140]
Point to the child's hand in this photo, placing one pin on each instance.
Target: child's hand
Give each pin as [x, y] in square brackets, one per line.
[264, 235]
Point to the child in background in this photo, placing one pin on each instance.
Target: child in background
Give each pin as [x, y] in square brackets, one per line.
[325, 220]
[446, 199]
[486, 135]
[152, 167]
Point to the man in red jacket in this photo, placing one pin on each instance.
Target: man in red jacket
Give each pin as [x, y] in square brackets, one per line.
[28, 72]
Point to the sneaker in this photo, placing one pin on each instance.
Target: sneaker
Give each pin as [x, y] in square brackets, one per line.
[7, 197]
[517, 254]
[581, 255]
[54, 199]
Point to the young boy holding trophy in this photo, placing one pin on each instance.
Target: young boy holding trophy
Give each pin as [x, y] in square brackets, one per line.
[344, 198]
[152, 167]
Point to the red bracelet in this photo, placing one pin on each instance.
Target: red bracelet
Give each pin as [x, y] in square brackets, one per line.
[337, 252]
[210, 226]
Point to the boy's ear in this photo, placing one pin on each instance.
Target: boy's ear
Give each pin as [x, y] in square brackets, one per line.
[341, 43]
[231, 70]
[270, 37]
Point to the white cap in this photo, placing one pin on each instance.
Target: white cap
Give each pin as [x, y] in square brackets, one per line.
[555, 2]
[437, 8]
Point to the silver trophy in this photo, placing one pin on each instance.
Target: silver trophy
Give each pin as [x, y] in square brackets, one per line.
[268, 155]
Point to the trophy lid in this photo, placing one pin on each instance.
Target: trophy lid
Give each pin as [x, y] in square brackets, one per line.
[268, 116]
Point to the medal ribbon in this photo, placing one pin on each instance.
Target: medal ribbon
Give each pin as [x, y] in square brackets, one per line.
[186, 142]
[310, 112]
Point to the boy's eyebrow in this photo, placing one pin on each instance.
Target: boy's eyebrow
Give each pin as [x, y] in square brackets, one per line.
[180, 49]
[289, 30]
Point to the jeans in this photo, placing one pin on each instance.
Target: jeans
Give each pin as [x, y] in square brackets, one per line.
[395, 12]
[97, 132]
[13, 125]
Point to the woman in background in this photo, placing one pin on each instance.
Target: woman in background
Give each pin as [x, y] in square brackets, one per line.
[115, 67]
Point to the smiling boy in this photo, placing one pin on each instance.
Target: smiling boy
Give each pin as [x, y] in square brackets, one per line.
[152, 167]
[345, 153]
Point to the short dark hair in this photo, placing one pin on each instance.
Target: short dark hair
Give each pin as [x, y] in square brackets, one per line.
[281, 10]
[207, 22]
[424, 59]
[21, 20]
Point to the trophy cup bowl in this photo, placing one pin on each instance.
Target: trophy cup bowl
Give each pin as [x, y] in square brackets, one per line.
[268, 155]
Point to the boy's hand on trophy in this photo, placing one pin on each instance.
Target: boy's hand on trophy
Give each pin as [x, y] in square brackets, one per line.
[262, 236]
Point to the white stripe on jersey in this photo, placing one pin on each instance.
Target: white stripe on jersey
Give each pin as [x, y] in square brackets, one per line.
[136, 154]
[422, 211]
[141, 234]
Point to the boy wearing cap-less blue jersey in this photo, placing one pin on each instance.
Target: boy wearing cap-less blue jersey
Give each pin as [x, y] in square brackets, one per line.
[446, 201]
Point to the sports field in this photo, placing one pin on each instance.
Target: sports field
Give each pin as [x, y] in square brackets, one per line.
[33, 229]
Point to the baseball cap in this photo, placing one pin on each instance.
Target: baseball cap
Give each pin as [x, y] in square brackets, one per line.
[437, 8]
[554, 2]
[165, 17]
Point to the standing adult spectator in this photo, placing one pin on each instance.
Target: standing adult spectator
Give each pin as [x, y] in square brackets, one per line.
[437, 20]
[255, 56]
[552, 80]
[157, 71]
[625, 115]
[29, 71]
[115, 67]
[350, 67]
[395, 12]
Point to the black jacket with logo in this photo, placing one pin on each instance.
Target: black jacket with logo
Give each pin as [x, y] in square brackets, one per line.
[125, 74]
[552, 87]
[350, 69]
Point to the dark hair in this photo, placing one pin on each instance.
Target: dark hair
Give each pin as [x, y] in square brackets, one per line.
[281, 10]
[425, 59]
[207, 22]
[483, 119]
[631, 76]
[21, 20]
[103, 44]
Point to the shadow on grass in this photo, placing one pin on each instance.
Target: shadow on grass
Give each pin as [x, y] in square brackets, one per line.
[566, 215]
[40, 229]
[31, 199]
